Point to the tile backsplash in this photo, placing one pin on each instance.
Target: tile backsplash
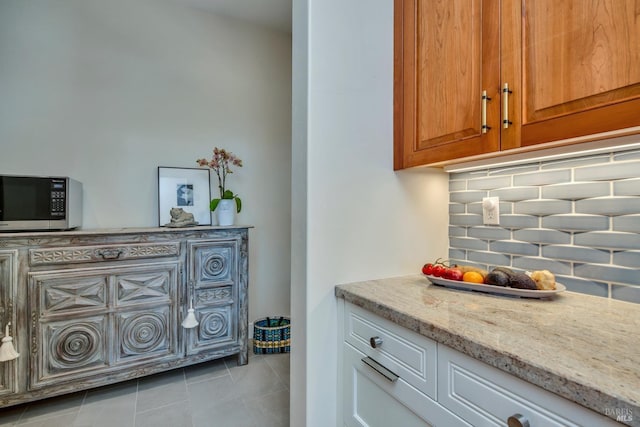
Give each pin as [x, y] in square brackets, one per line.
[578, 218]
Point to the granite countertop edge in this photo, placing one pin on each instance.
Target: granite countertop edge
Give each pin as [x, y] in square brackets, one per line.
[531, 371]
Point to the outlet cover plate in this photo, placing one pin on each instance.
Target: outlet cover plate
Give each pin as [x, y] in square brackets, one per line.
[491, 211]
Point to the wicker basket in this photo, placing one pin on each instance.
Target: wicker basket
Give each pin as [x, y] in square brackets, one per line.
[272, 335]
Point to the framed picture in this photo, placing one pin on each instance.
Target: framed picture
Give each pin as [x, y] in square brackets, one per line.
[186, 188]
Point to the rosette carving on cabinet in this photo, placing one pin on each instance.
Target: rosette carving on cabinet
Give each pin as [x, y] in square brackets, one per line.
[74, 346]
[213, 325]
[143, 333]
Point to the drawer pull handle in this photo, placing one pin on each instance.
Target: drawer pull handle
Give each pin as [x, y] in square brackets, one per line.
[517, 420]
[375, 342]
[110, 253]
[381, 369]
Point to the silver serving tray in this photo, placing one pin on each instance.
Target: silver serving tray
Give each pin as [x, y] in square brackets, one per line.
[497, 290]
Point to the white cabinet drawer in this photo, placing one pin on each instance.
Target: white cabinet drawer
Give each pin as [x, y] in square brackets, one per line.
[371, 400]
[486, 396]
[409, 355]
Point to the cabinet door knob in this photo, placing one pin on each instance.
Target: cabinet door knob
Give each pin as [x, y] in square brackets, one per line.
[517, 420]
[375, 342]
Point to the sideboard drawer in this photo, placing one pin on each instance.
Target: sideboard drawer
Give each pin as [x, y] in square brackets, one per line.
[405, 353]
[101, 253]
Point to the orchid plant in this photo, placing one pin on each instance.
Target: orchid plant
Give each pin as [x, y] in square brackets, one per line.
[221, 163]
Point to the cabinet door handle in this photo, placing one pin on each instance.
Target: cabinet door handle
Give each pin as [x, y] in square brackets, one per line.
[484, 128]
[380, 369]
[517, 420]
[375, 342]
[110, 253]
[505, 106]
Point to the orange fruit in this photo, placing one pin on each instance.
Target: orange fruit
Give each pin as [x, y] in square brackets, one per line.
[473, 277]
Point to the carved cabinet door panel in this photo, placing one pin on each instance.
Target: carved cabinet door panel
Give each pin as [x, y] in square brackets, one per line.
[213, 278]
[86, 322]
[8, 289]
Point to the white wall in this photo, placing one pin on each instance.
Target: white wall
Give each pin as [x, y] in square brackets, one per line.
[361, 219]
[107, 91]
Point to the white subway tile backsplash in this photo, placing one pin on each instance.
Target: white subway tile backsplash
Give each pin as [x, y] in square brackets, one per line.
[577, 217]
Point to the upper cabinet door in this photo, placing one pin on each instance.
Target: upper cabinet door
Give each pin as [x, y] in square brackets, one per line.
[446, 55]
[574, 66]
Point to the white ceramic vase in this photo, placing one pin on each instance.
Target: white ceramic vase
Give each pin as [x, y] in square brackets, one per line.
[226, 211]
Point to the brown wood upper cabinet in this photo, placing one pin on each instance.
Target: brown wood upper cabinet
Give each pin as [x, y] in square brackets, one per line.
[571, 69]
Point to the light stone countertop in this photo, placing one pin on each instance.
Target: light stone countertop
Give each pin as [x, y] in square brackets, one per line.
[583, 348]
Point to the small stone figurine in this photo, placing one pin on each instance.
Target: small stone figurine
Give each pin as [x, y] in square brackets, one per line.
[181, 218]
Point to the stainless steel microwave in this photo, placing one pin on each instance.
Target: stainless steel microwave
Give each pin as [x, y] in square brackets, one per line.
[39, 203]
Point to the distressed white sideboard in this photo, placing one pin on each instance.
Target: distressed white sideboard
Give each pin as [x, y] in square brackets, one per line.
[95, 307]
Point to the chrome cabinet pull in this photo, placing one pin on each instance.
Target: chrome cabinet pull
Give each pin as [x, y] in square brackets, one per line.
[517, 420]
[380, 369]
[375, 342]
[484, 128]
[505, 106]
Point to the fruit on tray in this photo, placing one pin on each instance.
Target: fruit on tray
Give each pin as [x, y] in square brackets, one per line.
[468, 268]
[472, 277]
[545, 280]
[499, 276]
[522, 281]
[444, 269]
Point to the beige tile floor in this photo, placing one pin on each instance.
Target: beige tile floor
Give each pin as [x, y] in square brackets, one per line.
[212, 394]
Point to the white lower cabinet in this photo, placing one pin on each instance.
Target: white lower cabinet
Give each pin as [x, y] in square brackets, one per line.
[392, 376]
[389, 375]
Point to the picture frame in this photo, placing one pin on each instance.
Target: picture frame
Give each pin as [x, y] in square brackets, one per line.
[186, 188]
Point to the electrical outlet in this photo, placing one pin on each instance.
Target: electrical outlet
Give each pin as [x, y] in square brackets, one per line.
[491, 211]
